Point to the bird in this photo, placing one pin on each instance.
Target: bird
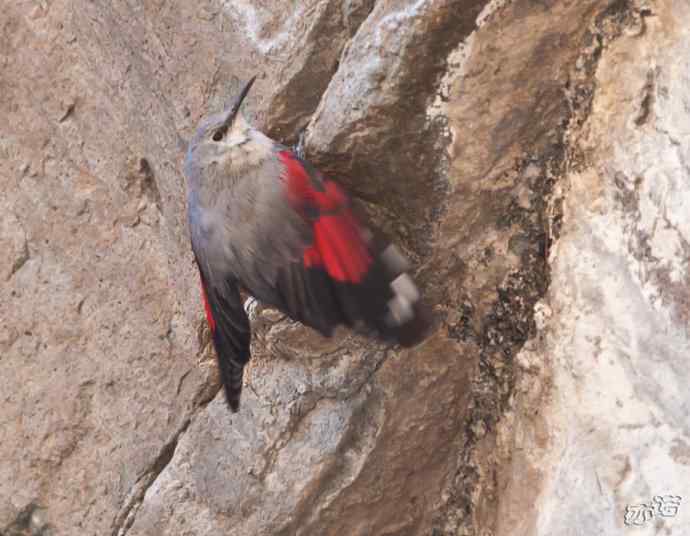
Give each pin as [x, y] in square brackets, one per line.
[264, 221]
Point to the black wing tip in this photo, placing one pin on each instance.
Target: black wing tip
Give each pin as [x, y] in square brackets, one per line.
[417, 330]
[234, 405]
[232, 397]
[412, 332]
[231, 376]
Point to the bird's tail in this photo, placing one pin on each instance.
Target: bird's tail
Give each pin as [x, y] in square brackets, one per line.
[231, 335]
[231, 376]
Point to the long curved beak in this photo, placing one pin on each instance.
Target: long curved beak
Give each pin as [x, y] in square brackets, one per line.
[235, 107]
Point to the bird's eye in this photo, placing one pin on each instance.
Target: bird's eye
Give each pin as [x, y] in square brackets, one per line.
[218, 134]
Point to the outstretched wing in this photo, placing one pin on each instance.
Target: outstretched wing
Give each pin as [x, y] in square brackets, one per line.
[341, 275]
[231, 334]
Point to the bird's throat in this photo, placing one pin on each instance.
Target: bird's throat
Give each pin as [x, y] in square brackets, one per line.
[245, 150]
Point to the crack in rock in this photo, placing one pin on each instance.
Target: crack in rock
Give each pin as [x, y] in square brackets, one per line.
[127, 514]
[21, 260]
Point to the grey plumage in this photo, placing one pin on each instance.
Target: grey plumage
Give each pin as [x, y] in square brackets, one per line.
[264, 220]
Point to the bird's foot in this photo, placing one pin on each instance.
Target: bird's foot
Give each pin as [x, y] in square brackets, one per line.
[250, 307]
[299, 148]
[260, 315]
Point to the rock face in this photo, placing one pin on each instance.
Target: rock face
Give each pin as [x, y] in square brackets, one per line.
[614, 341]
[530, 156]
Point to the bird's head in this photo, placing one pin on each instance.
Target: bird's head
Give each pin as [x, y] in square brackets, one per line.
[220, 136]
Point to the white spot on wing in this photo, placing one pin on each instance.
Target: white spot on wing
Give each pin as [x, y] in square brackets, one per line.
[405, 287]
[399, 311]
[394, 260]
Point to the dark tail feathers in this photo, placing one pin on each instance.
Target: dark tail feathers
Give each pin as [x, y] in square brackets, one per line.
[231, 377]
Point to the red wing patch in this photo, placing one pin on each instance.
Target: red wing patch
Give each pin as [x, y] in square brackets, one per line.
[207, 308]
[338, 242]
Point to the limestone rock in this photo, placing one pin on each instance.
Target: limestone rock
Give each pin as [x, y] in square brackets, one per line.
[613, 433]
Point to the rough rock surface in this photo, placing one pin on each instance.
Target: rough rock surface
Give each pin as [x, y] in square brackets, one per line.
[612, 432]
[532, 158]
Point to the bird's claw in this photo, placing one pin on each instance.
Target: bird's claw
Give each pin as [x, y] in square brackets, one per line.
[250, 305]
[299, 148]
